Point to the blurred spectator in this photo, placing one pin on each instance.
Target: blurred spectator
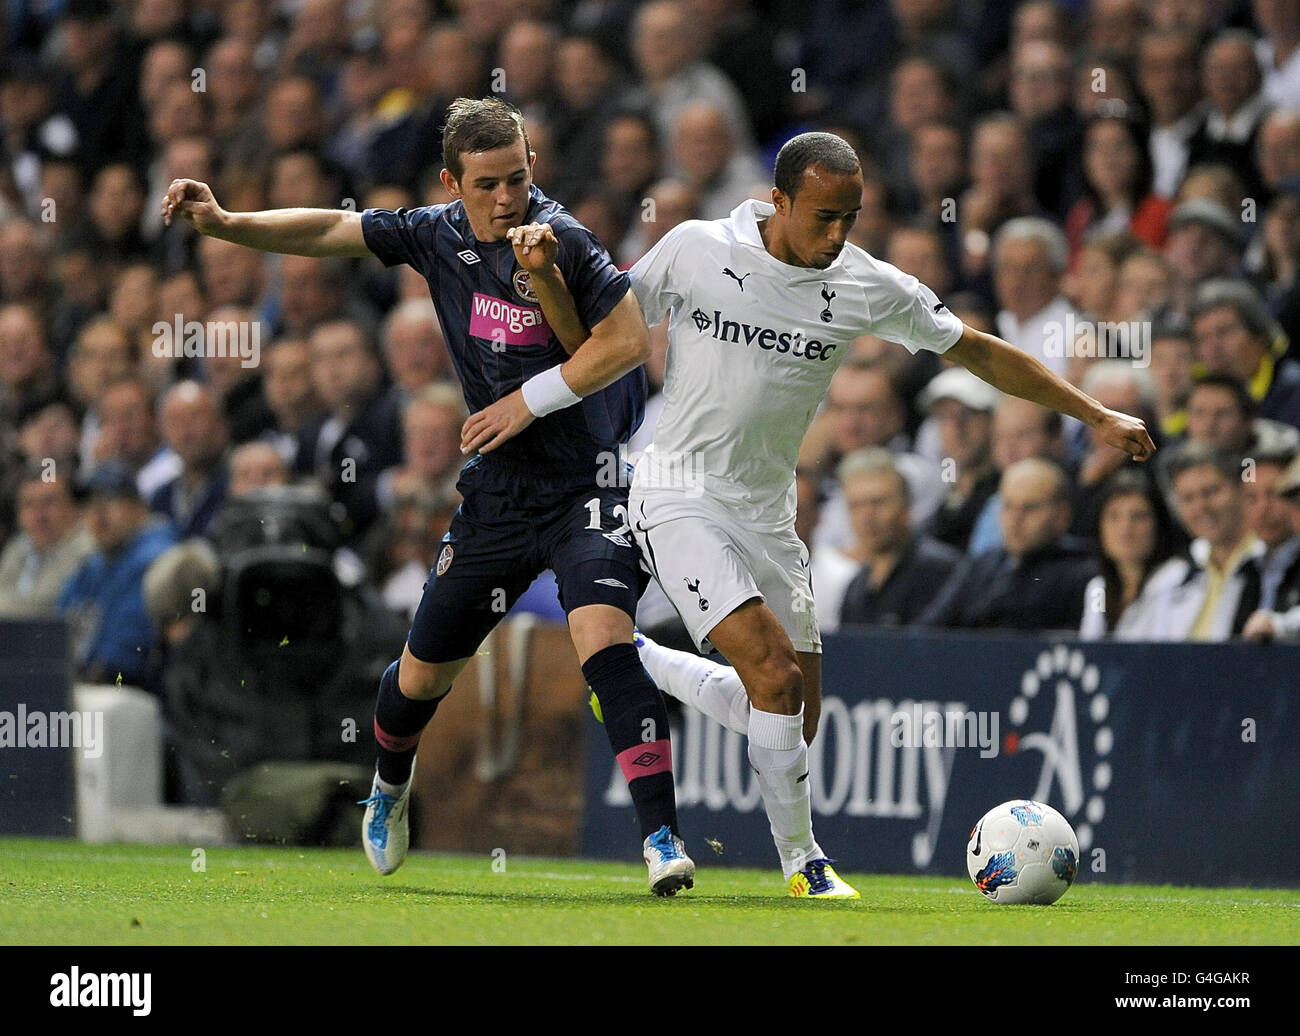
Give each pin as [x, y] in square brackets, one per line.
[629, 161]
[936, 174]
[1142, 286]
[1221, 414]
[431, 425]
[231, 367]
[1277, 149]
[1279, 50]
[49, 432]
[112, 637]
[863, 409]
[23, 269]
[313, 291]
[27, 374]
[1115, 26]
[360, 436]
[292, 116]
[128, 434]
[1040, 96]
[1207, 594]
[97, 89]
[414, 349]
[666, 51]
[255, 465]
[1235, 334]
[1093, 284]
[961, 407]
[709, 159]
[410, 139]
[1135, 537]
[891, 573]
[409, 543]
[234, 86]
[1216, 182]
[1029, 261]
[920, 92]
[290, 394]
[232, 275]
[1269, 518]
[51, 545]
[1116, 385]
[1166, 68]
[1173, 359]
[1117, 184]
[671, 202]
[1036, 581]
[1281, 618]
[194, 427]
[592, 87]
[526, 57]
[746, 45]
[1001, 178]
[1021, 429]
[116, 203]
[1231, 80]
[32, 135]
[1204, 242]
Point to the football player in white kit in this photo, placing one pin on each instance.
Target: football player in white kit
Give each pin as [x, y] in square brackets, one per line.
[762, 307]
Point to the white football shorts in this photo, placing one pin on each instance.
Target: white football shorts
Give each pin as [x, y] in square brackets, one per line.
[709, 564]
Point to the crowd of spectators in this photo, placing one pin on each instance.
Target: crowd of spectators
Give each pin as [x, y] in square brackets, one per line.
[1111, 185]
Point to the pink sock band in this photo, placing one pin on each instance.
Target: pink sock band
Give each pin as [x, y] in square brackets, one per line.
[646, 759]
[395, 744]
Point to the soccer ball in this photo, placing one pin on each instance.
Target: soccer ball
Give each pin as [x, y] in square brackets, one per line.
[1022, 852]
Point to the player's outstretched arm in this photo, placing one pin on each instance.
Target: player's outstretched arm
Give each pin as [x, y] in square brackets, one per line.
[1017, 373]
[536, 250]
[315, 232]
[618, 344]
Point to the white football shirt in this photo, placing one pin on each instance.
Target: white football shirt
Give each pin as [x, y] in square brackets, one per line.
[752, 345]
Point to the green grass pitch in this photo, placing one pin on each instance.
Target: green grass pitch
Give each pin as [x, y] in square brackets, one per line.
[66, 893]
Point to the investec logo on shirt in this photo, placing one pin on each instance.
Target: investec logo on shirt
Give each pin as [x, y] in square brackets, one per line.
[792, 342]
[503, 323]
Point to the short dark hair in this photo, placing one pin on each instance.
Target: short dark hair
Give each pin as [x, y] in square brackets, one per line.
[1243, 300]
[1231, 384]
[832, 153]
[480, 125]
[1199, 454]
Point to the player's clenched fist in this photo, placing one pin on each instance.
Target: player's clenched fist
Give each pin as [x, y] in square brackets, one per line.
[535, 245]
[194, 202]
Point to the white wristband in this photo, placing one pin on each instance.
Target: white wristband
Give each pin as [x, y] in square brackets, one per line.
[548, 392]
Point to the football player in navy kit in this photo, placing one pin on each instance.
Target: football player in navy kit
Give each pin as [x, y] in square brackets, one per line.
[544, 427]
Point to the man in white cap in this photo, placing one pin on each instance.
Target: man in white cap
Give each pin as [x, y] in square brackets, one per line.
[961, 407]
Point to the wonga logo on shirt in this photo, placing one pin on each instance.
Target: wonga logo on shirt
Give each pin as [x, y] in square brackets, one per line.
[501, 321]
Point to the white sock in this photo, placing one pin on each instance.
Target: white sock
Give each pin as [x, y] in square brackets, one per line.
[395, 790]
[714, 689]
[780, 758]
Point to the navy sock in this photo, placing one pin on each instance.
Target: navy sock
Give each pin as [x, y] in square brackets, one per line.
[399, 721]
[636, 723]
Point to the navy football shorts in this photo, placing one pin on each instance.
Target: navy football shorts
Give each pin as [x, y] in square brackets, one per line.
[515, 522]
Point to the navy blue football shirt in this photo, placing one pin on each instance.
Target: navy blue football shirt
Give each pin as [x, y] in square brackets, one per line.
[494, 326]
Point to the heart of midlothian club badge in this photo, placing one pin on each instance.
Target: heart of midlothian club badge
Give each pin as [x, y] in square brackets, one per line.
[524, 286]
[444, 559]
